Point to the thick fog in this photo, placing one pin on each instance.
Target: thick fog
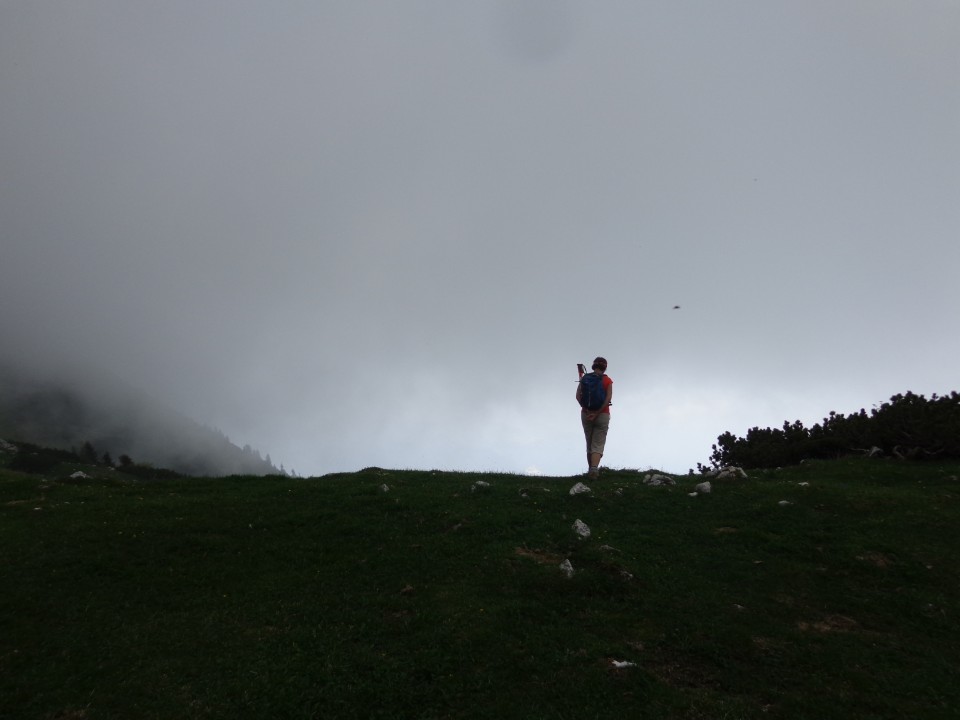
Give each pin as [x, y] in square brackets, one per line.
[370, 233]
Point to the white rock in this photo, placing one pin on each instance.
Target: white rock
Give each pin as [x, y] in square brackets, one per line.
[703, 487]
[7, 447]
[784, 503]
[693, 494]
[804, 484]
[731, 472]
[80, 475]
[567, 568]
[657, 480]
[385, 487]
[581, 528]
[579, 489]
[622, 664]
[479, 485]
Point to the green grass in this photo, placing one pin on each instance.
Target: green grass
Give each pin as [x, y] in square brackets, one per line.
[331, 598]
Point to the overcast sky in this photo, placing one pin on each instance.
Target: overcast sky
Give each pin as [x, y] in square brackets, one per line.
[384, 233]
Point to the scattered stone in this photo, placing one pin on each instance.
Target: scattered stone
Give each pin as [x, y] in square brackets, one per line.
[703, 487]
[803, 484]
[618, 492]
[7, 447]
[581, 529]
[567, 568]
[626, 576]
[385, 487]
[609, 548]
[693, 494]
[621, 664]
[657, 479]
[80, 475]
[579, 489]
[874, 452]
[784, 503]
[728, 473]
[479, 485]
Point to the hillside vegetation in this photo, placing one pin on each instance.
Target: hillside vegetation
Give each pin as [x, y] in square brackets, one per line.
[909, 426]
[826, 590]
[88, 409]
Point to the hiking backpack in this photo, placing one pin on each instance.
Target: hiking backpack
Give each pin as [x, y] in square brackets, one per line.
[592, 392]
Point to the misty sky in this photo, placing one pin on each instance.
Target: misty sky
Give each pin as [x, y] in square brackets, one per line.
[384, 233]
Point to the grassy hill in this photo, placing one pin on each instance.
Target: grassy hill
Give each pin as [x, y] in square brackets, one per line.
[401, 594]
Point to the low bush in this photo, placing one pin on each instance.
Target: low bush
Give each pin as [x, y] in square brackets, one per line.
[908, 426]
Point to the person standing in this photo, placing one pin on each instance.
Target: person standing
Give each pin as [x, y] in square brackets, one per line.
[594, 394]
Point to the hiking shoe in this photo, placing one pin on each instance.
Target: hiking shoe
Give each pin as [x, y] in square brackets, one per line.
[593, 473]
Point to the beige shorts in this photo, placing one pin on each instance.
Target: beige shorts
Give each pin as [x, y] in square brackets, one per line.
[595, 431]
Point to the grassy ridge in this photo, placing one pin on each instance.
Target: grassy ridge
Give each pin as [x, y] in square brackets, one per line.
[332, 597]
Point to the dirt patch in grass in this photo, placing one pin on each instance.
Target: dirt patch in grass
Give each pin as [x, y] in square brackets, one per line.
[680, 671]
[876, 559]
[830, 624]
[539, 556]
[763, 643]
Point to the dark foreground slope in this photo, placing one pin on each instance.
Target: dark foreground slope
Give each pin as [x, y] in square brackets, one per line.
[388, 594]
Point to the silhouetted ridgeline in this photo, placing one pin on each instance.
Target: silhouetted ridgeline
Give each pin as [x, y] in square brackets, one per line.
[117, 422]
[909, 426]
